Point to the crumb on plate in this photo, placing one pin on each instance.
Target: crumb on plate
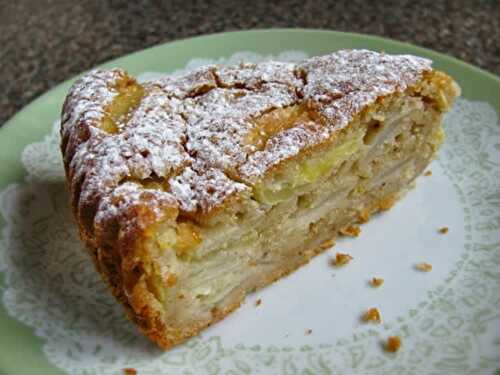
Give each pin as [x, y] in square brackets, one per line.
[130, 371]
[309, 331]
[393, 344]
[428, 173]
[258, 302]
[341, 259]
[424, 267]
[351, 230]
[376, 282]
[372, 315]
[444, 230]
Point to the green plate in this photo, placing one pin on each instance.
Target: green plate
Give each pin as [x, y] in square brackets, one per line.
[55, 319]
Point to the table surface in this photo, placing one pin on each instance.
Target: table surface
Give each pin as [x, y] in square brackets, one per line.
[45, 42]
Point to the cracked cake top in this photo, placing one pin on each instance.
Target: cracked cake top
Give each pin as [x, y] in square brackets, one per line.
[186, 144]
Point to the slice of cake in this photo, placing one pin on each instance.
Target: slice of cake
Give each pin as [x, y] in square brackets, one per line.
[192, 191]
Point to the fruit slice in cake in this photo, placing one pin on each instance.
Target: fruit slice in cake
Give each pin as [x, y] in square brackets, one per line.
[190, 192]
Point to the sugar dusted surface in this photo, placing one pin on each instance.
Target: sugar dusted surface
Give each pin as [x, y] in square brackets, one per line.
[189, 131]
[87, 98]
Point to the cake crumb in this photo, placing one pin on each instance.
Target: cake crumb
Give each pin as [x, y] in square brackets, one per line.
[372, 315]
[309, 331]
[393, 344]
[351, 230]
[376, 282]
[444, 230]
[428, 173]
[341, 259]
[424, 267]
[258, 302]
[130, 371]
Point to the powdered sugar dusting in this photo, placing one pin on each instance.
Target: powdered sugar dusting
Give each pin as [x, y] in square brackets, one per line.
[219, 121]
[189, 84]
[190, 130]
[254, 75]
[202, 187]
[128, 196]
[87, 98]
[344, 82]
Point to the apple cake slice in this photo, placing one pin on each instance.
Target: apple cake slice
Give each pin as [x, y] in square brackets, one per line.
[192, 191]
